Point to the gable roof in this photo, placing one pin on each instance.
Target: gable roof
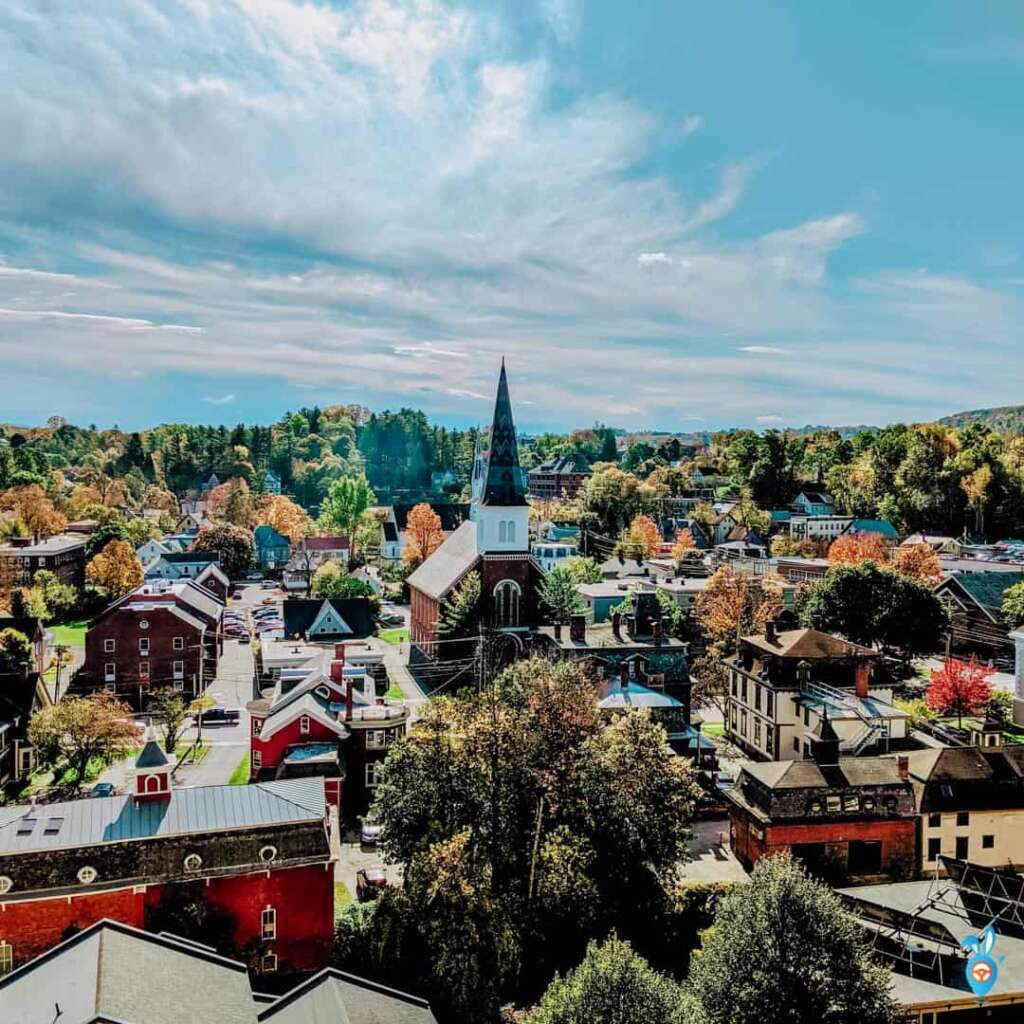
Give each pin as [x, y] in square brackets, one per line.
[815, 497]
[804, 773]
[352, 615]
[334, 997]
[95, 976]
[808, 644]
[265, 536]
[882, 526]
[448, 564]
[504, 486]
[985, 589]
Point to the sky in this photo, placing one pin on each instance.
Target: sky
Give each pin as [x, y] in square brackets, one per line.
[663, 214]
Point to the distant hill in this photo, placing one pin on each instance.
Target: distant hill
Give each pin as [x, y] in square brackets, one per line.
[1007, 419]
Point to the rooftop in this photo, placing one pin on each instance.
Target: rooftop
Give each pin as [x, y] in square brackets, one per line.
[807, 644]
[50, 546]
[603, 636]
[448, 564]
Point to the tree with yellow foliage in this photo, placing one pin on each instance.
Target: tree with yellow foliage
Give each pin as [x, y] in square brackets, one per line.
[919, 561]
[732, 604]
[851, 548]
[116, 569]
[683, 546]
[425, 536]
[643, 538]
[285, 516]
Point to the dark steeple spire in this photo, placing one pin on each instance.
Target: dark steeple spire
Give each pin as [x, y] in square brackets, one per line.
[504, 486]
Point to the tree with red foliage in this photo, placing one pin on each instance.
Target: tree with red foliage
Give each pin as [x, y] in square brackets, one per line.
[960, 687]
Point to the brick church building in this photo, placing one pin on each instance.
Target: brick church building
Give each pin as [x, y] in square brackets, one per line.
[256, 859]
[495, 543]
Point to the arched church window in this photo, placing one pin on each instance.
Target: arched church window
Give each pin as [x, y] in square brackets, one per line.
[502, 532]
[506, 604]
[511, 531]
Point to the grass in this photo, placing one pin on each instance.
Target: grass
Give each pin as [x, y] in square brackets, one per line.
[240, 776]
[70, 633]
[182, 748]
[92, 771]
[342, 898]
[394, 636]
[395, 692]
[716, 729]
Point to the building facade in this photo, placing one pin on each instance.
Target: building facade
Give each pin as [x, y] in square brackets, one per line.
[560, 477]
[63, 555]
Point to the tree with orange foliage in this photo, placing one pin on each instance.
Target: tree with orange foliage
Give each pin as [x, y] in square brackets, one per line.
[851, 548]
[919, 561]
[423, 529]
[285, 516]
[683, 546]
[732, 604]
[116, 569]
[643, 538]
[960, 687]
[35, 510]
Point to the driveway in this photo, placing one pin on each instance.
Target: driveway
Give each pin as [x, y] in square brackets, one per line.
[711, 859]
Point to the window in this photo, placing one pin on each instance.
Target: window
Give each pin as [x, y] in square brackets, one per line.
[109, 672]
[833, 804]
[193, 862]
[743, 684]
[864, 857]
[757, 731]
[179, 670]
[769, 704]
[963, 819]
[743, 723]
[988, 842]
[757, 698]
[257, 760]
[502, 532]
[5, 885]
[268, 923]
[851, 803]
[934, 820]
[807, 715]
[372, 774]
[506, 604]
[143, 624]
[304, 725]
[962, 848]
[109, 646]
[268, 853]
[734, 716]
[769, 739]
[87, 875]
[143, 669]
[179, 643]
[376, 739]
[6, 958]
[796, 744]
[732, 686]
[269, 963]
[53, 826]
[143, 645]
[257, 725]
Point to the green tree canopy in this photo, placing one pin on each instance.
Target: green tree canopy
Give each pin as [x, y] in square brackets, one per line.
[1013, 605]
[344, 504]
[331, 580]
[15, 651]
[232, 545]
[559, 595]
[784, 949]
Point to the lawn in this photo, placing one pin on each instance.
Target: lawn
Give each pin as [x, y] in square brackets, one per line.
[70, 633]
[394, 636]
[342, 898]
[240, 776]
[716, 729]
[395, 692]
[185, 746]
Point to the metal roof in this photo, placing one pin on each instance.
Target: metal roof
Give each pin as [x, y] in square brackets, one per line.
[95, 820]
[448, 564]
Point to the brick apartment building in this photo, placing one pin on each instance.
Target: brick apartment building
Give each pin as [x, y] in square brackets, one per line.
[558, 477]
[256, 857]
[63, 555]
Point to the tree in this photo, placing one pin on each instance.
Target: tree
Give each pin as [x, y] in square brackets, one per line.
[330, 580]
[345, 502]
[172, 712]
[526, 826]
[103, 535]
[784, 948]
[582, 569]
[232, 545]
[280, 512]
[852, 548]
[116, 569]
[746, 514]
[82, 728]
[424, 533]
[793, 547]
[918, 561]
[460, 613]
[975, 485]
[683, 546]
[559, 594]
[732, 604]
[59, 598]
[612, 497]
[613, 985]
[239, 508]
[960, 688]
[15, 651]
[1013, 605]
[877, 606]
[642, 539]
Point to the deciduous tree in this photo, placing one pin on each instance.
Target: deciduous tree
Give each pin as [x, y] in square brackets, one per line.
[851, 548]
[15, 651]
[683, 546]
[171, 713]
[82, 728]
[559, 594]
[232, 545]
[345, 502]
[960, 688]
[1013, 604]
[116, 569]
[424, 533]
[331, 580]
[582, 569]
[918, 561]
[732, 604]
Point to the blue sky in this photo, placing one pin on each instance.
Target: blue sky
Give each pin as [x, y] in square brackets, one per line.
[684, 215]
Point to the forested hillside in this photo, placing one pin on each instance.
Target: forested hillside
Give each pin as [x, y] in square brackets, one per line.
[1008, 419]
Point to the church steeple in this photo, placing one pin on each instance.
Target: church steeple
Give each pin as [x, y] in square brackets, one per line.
[504, 485]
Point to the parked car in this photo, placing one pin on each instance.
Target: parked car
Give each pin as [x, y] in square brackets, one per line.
[369, 833]
[724, 781]
[103, 789]
[269, 600]
[245, 639]
[391, 619]
[255, 576]
[370, 883]
[268, 585]
[218, 714]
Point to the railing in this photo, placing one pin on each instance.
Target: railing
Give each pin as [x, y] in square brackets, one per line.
[872, 727]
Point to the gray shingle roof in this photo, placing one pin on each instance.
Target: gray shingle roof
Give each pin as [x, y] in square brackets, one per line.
[986, 589]
[448, 564]
[96, 820]
[152, 756]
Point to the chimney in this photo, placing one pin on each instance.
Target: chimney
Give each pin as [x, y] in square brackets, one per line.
[769, 630]
[348, 700]
[337, 670]
[903, 767]
[558, 631]
[657, 632]
[617, 625]
[339, 652]
[863, 672]
[624, 676]
[578, 628]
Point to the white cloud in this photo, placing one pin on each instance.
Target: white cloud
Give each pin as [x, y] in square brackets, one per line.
[219, 400]
[771, 418]
[767, 350]
[691, 123]
[648, 259]
[564, 18]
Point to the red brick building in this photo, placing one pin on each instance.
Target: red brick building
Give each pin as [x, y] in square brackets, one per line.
[256, 857]
[331, 725]
[495, 543]
[165, 634]
[557, 478]
[847, 819]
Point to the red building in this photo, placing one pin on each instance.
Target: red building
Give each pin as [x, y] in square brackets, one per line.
[559, 477]
[331, 725]
[847, 819]
[166, 633]
[256, 860]
[495, 543]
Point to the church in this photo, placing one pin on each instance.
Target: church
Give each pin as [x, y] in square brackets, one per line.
[494, 542]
